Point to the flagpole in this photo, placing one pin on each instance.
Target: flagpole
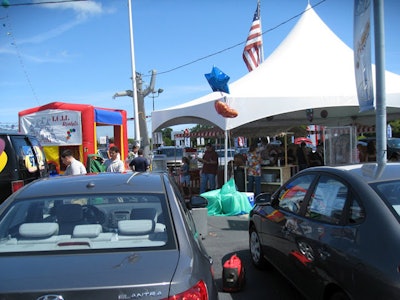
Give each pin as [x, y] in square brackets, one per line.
[253, 53]
[262, 42]
[134, 90]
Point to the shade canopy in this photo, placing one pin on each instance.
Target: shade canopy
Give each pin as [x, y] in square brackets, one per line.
[312, 71]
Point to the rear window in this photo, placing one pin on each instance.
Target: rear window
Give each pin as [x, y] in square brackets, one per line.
[327, 201]
[389, 191]
[117, 221]
[171, 152]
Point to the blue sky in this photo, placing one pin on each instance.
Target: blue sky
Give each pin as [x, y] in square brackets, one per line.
[79, 52]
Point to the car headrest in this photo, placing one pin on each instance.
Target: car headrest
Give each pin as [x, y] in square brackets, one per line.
[38, 230]
[87, 231]
[136, 227]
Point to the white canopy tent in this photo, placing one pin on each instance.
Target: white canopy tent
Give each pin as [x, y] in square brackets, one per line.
[311, 69]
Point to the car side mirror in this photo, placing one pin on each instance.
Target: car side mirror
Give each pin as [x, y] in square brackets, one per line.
[263, 198]
[198, 202]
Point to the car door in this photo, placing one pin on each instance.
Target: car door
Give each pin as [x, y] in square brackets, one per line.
[316, 236]
[281, 221]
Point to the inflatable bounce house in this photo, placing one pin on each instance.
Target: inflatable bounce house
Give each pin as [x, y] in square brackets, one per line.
[60, 126]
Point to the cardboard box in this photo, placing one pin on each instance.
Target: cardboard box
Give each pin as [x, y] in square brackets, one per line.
[250, 197]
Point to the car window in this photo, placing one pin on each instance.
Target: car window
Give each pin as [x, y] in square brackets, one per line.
[356, 211]
[292, 195]
[327, 201]
[29, 157]
[221, 153]
[394, 142]
[185, 211]
[82, 222]
[389, 191]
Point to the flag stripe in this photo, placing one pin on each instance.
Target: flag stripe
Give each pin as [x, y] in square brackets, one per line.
[252, 53]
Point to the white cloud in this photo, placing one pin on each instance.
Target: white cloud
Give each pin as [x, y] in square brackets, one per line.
[49, 34]
[83, 9]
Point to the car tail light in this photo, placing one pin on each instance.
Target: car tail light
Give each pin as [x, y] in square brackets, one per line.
[196, 292]
[16, 185]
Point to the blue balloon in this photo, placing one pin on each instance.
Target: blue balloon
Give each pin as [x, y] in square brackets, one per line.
[218, 80]
[5, 3]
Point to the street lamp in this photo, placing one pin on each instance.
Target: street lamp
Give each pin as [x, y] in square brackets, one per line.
[158, 92]
[128, 93]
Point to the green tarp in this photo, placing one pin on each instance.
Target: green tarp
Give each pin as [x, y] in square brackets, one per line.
[95, 164]
[227, 201]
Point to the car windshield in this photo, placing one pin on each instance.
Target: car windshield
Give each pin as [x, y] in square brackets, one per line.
[394, 142]
[81, 222]
[389, 191]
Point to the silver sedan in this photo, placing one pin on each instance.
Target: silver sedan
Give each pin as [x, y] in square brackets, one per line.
[104, 236]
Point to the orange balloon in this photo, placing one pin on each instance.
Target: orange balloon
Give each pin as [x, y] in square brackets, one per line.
[224, 110]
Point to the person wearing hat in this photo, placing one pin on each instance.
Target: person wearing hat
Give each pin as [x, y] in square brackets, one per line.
[209, 170]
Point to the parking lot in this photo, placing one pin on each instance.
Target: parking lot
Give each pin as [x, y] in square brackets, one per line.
[227, 236]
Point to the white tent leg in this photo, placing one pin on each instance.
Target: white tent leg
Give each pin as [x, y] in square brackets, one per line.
[226, 158]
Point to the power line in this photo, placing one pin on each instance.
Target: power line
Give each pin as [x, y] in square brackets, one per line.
[193, 61]
[239, 44]
[21, 62]
[40, 3]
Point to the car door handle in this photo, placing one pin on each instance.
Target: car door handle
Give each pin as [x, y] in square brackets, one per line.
[286, 230]
[324, 254]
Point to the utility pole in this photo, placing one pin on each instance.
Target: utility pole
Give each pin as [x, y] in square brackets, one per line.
[142, 112]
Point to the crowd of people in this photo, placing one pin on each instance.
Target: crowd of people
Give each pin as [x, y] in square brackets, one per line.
[259, 155]
[135, 161]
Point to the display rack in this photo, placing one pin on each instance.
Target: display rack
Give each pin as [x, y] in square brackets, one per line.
[273, 177]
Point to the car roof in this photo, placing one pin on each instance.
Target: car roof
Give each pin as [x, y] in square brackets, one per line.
[368, 172]
[95, 183]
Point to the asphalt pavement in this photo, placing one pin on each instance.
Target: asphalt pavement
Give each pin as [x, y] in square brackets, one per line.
[228, 235]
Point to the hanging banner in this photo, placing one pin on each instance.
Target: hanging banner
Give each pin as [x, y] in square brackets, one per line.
[362, 54]
[54, 127]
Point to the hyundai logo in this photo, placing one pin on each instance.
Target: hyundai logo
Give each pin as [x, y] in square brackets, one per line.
[51, 297]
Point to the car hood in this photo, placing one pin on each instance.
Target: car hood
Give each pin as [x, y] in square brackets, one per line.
[121, 275]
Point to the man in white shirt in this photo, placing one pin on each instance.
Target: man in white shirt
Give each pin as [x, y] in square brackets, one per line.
[74, 166]
[114, 164]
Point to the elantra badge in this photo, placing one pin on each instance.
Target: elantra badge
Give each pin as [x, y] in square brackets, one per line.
[51, 297]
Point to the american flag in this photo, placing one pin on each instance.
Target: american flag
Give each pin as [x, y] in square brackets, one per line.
[253, 51]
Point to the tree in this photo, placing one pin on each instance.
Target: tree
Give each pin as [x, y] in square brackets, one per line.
[166, 136]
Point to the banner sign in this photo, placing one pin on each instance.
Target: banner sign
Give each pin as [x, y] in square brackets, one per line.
[54, 127]
[362, 54]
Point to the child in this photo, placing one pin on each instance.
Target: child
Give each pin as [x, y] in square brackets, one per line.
[185, 176]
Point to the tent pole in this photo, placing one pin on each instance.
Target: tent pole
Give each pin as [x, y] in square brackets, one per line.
[286, 160]
[381, 114]
[226, 157]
